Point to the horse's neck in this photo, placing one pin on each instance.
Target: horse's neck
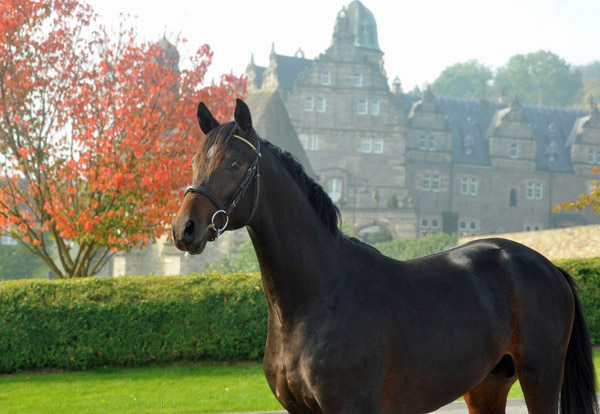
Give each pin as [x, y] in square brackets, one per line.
[292, 244]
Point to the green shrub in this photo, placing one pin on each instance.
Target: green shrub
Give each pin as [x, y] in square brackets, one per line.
[85, 323]
[586, 273]
[79, 324]
[412, 248]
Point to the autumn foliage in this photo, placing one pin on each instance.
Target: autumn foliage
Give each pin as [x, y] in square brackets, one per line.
[97, 130]
[590, 200]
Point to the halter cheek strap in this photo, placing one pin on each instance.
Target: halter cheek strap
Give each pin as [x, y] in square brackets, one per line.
[226, 209]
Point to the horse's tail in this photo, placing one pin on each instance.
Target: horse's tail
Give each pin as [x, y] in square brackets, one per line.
[578, 394]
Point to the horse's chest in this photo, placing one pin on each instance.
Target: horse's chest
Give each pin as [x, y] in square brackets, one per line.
[290, 373]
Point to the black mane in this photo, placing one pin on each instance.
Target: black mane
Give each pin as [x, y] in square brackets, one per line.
[320, 200]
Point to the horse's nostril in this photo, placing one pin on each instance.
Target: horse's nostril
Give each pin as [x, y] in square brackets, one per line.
[188, 232]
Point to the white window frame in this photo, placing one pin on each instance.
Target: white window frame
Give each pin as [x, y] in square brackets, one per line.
[326, 77]
[513, 151]
[362, 107]
[321, 104]
[469, 186]
[423, 142]
[436, 183]
[309, 104]
[377, 145]
[313, 142]
[375, 107]
[426, 182]
[535, 190]
[357, 80]
[366, 146]
[592, 157]
[335, 188]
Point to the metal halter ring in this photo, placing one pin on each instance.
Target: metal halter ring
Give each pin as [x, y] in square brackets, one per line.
[214, 227]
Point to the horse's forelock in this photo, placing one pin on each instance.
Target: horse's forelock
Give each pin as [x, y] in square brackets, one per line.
[212, 150]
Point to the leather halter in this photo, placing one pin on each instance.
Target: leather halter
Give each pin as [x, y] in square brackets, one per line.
[251, 172]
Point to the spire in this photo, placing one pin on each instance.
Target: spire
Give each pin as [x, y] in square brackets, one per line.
[356, 24]
[396, 86]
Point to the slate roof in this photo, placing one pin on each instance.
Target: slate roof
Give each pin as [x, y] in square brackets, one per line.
[552, 127]
[469, 120]
[272, 122]
[288, 69]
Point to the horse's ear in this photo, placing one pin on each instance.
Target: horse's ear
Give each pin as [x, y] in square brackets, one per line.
[205, 119]
[242, 117]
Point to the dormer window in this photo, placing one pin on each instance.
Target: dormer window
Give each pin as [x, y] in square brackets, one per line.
[468, 144]
[325, 78]
[552, 151]
[357, 80]
[513, 151]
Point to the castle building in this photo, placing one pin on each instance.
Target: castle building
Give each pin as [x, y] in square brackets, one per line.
[420, 164]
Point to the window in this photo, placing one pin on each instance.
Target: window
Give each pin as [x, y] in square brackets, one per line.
[372, 145]
[423, 142]
[469, 186]
[7, 240]
[321, 104]
[592, 157]
[357, 79]
[535, 191]
[436, 182]
[375, 107]
[532, 226]
[435, 224]
[309, 142]
[598, 157]
[362, 107]
[432, 143]
[308, 104]
[468, 226]
[424, 223]
[426, 183]
[325, 78]
[378, 145]
[513, 152]
[334, 189]
[512, 198]
[367, 145]
[591, 186]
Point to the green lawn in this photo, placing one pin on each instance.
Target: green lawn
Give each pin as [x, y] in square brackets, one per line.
[177, 388]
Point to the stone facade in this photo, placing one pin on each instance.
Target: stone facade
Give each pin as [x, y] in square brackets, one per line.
[463, 166]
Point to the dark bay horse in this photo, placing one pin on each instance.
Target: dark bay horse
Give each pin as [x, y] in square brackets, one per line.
[353, 331]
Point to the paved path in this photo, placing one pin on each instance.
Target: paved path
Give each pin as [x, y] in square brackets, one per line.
[514, 406]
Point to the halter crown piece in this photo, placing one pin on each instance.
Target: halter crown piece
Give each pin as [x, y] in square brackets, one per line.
[226, 209]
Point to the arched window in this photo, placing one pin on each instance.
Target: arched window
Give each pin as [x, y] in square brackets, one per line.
[512, 201]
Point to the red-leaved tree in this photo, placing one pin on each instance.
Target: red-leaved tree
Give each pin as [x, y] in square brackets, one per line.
[97, 131]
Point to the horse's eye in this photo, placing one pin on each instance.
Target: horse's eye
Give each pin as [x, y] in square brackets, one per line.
[236, 165]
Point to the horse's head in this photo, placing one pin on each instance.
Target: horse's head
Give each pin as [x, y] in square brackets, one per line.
[224, 166]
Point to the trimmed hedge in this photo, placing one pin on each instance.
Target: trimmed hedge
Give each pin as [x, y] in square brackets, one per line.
[586, 273]
[85, 323]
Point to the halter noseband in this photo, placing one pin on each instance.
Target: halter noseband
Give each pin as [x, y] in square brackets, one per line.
[226, 209]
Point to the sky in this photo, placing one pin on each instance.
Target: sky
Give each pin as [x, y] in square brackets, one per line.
[419, 38]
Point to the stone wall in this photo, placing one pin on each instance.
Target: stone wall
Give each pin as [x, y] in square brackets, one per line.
[567, 243]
